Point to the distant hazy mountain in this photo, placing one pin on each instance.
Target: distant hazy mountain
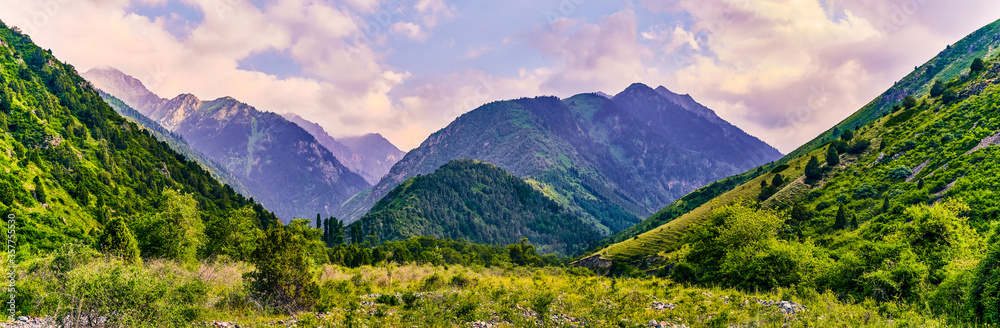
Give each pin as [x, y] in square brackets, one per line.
[371, 156]
[379, 154]
[479, 202]
[281, 164]
[612, 161]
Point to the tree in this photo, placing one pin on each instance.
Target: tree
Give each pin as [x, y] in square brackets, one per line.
[234, 235]
[177, 232]
[309, 237]
[40, 190]
[885, 205]
[841, 221]
[937, 89]
[118, 241]
[282, 279]
[977, 66]
[337, 232]
[909, 102]
[984, 301]
[778, 180]
[813, 170]
[356, 234]
[949, 96]
[832, 156]
[319, 222]
[847, 135]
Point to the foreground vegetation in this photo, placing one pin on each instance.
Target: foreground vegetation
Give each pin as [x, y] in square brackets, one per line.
[78, 283]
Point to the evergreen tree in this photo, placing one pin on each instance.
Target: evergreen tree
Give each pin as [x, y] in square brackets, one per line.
[885, 205]
[337, 232]
[937, 89]
[841, 221]
[847, 135]
[909, 102]
[319, 222]
[778, 180]
[813, 171]
[118, 241]
[977, 66]
[832, 156]
[40, 190]
[356, 234]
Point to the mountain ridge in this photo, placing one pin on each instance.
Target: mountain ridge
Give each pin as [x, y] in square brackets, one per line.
[586, 152]
[281, 164]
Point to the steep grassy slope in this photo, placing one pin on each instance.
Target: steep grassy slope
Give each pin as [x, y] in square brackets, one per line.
[479, 202]
[949, 64]
[69, 162]
[940, 149]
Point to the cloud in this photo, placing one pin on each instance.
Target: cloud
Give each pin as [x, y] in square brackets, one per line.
[410, 30]
[783, 70]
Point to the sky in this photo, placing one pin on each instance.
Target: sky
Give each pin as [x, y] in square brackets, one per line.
[782, 70]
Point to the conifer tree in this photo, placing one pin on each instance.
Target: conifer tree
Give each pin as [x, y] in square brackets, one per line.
[118, 241]
[832, 156]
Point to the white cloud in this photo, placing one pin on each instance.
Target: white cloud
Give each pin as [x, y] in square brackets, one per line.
[758, 63]
[410, 30]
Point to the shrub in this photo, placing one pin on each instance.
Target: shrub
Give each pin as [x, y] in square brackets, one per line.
[283, 279]
[387, 299]
[865, 191]
[900, 172]
[977, 66]
[984, 301]
[410, 300]
[683, 272]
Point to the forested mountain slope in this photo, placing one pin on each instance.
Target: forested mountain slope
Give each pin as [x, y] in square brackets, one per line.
[478, 202]
[69, 163]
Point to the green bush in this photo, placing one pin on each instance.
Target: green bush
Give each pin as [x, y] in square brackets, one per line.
[283, 279]
[865, 191]
[900, 172]
[984, 300]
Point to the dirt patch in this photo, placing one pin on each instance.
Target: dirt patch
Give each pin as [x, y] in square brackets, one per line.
[593, 262]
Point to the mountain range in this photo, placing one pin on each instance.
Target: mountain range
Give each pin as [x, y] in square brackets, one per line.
[370, 155]
[279, 163]
[610, 161]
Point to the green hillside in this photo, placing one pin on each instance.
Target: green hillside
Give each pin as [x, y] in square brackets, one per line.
[479, 202]
[902, 208]
[70, 163]
[949, 64]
